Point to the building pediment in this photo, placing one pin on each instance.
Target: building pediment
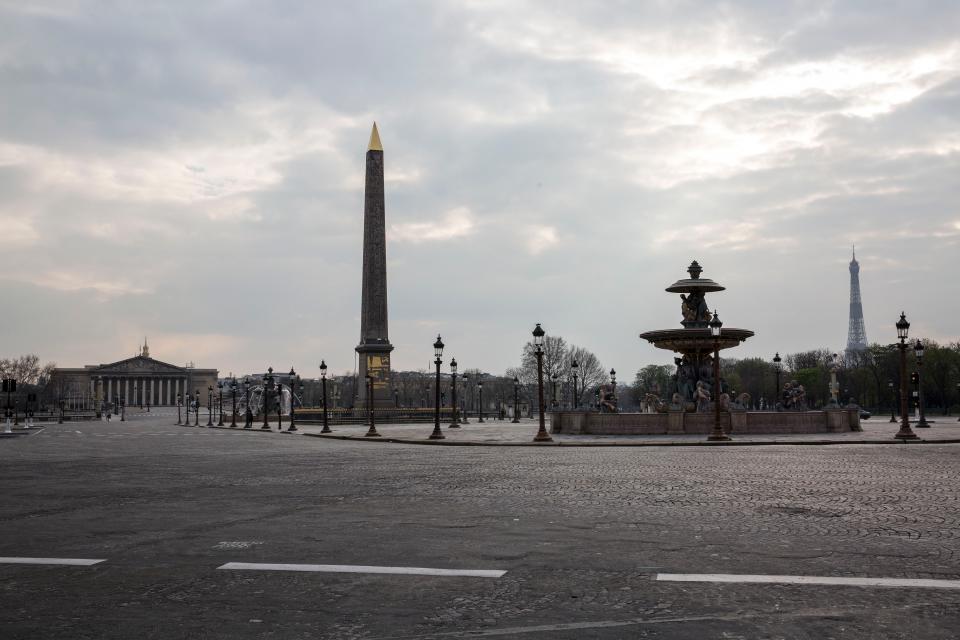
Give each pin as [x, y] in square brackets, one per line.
[139, 364]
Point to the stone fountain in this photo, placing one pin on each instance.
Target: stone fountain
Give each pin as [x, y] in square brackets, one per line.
[693, 385]
[694, 342]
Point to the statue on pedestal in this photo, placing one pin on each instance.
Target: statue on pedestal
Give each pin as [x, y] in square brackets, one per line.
[702, 397]
[686, 378]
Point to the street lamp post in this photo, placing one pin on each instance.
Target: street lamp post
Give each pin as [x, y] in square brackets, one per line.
[294, 384]
[372, 431]
[454, 422]
[538, 334]
[438, 352]
[220, 392]
[480, 400]
[893, 401]
[777, 367]
[553, 391]
[323, 384]
[265, 398]
[178, 408]
[715, 327]
[465, 414]
[279, 404]
[9, 385]
[233, 398]
[905, 432]
[516, 399]
[574, 368]
[300, 389]
[247, 412]
[613, 383]
[196, 408]
[210, 405]
[918, 350]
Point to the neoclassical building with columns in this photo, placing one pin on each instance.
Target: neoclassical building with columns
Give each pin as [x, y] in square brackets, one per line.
[139, 380]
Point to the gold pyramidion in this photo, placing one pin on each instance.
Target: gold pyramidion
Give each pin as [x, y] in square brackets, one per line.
[374, 140]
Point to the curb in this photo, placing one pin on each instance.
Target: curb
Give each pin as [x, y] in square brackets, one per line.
[674, 443]
[235, 429]
[22, 433]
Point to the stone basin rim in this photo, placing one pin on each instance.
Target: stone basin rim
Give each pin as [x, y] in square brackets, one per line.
[688, 285]
[680, 340]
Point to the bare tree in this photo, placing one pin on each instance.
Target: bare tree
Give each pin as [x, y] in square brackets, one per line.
[554, 359]
[590, 373]
[26, 369]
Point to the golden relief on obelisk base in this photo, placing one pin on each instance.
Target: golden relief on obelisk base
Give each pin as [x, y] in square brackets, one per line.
[378, 367]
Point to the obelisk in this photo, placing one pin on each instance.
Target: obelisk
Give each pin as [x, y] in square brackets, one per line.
[374, 348]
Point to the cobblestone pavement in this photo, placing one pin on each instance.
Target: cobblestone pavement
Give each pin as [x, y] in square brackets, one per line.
[581, 533]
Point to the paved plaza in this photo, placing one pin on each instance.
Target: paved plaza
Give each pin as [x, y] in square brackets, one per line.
[544, 542]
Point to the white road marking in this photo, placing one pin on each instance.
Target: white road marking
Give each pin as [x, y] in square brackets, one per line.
[79, 562]
[852, 582]
[349, 568]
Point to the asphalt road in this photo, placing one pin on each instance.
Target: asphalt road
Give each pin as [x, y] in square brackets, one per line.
[581, 533]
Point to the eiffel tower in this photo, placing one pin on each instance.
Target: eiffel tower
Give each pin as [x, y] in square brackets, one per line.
[856, 333]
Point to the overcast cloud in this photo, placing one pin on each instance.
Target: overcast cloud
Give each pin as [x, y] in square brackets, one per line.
[193, 172]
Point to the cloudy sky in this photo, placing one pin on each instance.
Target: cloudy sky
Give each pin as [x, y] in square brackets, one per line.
[193, 172]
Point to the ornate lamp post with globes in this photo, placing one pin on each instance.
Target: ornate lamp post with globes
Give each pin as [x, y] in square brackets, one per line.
[465, 414]
[516, 399]
[196, 408]
[178, 408]
[538, 334]
[438, 352]
[905, 432]
[553, 391]
[715, 326]
[454, 421]
[918, 350]
[323, 384]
